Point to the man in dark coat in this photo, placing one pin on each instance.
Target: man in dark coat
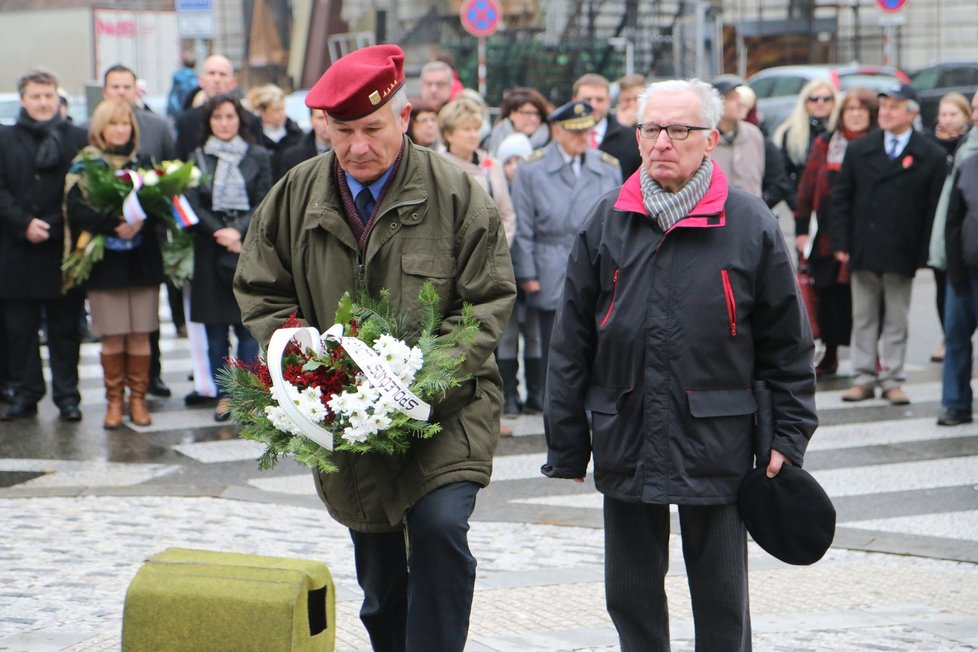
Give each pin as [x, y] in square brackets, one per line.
[216, 78]
[34, 157]
[312, 144]
[883, 203]
[679, 295]
[608, 135]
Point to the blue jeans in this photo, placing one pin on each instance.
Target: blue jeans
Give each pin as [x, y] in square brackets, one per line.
[219, 348]
[959, 324]
[417, 594]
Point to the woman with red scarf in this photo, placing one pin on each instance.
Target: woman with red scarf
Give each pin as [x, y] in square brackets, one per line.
[855, 117]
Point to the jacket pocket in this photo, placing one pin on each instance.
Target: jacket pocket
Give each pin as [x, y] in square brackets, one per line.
[728, 296]
[614, 294]
[615, 440]
[428, 265]
[416, 268]
[718, 433]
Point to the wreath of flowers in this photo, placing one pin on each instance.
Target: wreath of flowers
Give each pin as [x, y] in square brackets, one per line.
[334, 393]
[159, 191]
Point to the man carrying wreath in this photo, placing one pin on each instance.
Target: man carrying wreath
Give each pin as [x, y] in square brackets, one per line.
[378, 213]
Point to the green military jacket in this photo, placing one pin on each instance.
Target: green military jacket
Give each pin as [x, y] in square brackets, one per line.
[434, 223]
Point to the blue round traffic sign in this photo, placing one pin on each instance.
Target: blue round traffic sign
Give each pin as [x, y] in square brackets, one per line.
[891, 5]
[480, 17]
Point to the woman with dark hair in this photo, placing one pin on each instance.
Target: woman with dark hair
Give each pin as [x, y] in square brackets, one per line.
[123, 288]
[522, 110]
[423, 127]
[239, 175]
[854, 117]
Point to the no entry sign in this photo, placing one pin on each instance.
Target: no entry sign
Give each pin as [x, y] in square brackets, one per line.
[891, 5]
[480, 17]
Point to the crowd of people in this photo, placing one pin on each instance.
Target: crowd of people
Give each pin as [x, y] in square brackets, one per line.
[606, 234]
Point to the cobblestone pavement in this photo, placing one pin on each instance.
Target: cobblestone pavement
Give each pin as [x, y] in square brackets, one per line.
[82, 509]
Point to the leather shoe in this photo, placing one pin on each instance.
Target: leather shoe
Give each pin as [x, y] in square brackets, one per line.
[858, 393]
[69, 411]
[896, 396]
[193, 398]
[8, 394]
[158, 388]
[19, 410]
[952, 418]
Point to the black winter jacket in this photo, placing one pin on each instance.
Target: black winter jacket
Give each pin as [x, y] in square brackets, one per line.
[27, 270]
[659, 337]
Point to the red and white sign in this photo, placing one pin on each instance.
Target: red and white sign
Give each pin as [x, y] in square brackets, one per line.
[480, 17]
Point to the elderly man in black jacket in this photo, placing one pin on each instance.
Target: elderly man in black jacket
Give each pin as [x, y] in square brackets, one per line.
[679, 294]
[34, 157]
[883, 204]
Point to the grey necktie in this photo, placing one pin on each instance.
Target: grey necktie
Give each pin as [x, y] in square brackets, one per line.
[894, 150]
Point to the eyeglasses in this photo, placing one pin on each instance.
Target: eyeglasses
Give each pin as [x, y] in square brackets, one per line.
[820, 98]
[855, 109]
[651, 130]
[529, 113]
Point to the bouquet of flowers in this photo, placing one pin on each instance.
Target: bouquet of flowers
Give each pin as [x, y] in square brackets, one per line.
[134, 194]
[358, 387]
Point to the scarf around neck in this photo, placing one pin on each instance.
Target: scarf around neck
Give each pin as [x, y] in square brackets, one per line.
[667, 208]
[230, 192]
[49, 149]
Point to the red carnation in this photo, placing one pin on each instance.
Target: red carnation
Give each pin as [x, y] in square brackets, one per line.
[907, 161]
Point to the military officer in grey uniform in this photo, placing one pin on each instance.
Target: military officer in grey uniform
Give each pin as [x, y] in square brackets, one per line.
[553, 193]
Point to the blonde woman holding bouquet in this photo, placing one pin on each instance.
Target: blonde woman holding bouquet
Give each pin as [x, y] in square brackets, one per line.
[240, 174]
[123, 288]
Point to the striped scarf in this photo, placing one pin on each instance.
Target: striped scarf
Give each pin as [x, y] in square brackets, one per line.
[667, 208]
[230, 189]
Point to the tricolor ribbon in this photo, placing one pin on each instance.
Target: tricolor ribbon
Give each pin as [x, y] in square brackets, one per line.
[183, 213]
[132, 211]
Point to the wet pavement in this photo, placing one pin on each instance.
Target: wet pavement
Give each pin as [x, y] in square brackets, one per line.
[82, 509]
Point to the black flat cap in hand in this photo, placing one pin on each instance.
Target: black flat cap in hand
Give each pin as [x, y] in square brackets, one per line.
[790, 516]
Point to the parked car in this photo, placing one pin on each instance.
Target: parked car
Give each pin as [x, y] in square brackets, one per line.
[777, 88]
[938, 79]
[295, 108]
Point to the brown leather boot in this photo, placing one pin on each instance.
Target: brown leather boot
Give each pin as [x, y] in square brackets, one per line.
[114, 371]
[137, 377]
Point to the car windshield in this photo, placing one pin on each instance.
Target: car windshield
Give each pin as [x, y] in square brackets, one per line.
[926, 79]
[875, 82]
[9, 108]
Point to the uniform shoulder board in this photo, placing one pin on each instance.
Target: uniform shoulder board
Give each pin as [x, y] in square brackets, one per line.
[536, 155]
[609, 159]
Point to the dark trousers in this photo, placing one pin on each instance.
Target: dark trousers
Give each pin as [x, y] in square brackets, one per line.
[546, 319]
[219, 348]
[637, 558]
[961, 319]
[417, 593]
[23, 319]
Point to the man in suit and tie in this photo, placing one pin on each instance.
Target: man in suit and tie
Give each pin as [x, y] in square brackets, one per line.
[883, 204]
[553, 192]
[607, 135]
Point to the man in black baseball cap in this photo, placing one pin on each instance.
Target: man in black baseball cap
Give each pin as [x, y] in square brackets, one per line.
[901, 91]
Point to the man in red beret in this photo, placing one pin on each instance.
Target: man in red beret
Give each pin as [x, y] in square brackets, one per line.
[378, 213]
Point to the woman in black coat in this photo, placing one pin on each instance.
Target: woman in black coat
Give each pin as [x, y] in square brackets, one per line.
[124, 287]
[239, 175]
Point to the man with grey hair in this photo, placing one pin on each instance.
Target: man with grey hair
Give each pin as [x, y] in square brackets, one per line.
[883, 204]
[436, 83]
[378, 213]
[679, 295]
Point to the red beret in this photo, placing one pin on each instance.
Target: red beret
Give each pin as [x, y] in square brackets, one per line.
[359, 83]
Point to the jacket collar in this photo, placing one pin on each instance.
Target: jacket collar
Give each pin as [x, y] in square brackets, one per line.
[704, 214]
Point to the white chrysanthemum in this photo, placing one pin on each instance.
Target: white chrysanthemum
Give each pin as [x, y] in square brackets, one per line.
[195, 175]
[151, 178]
[173, 167]
[380, 421]
[311, 406]
[280, 420]
[354, 435]
[340, 403]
